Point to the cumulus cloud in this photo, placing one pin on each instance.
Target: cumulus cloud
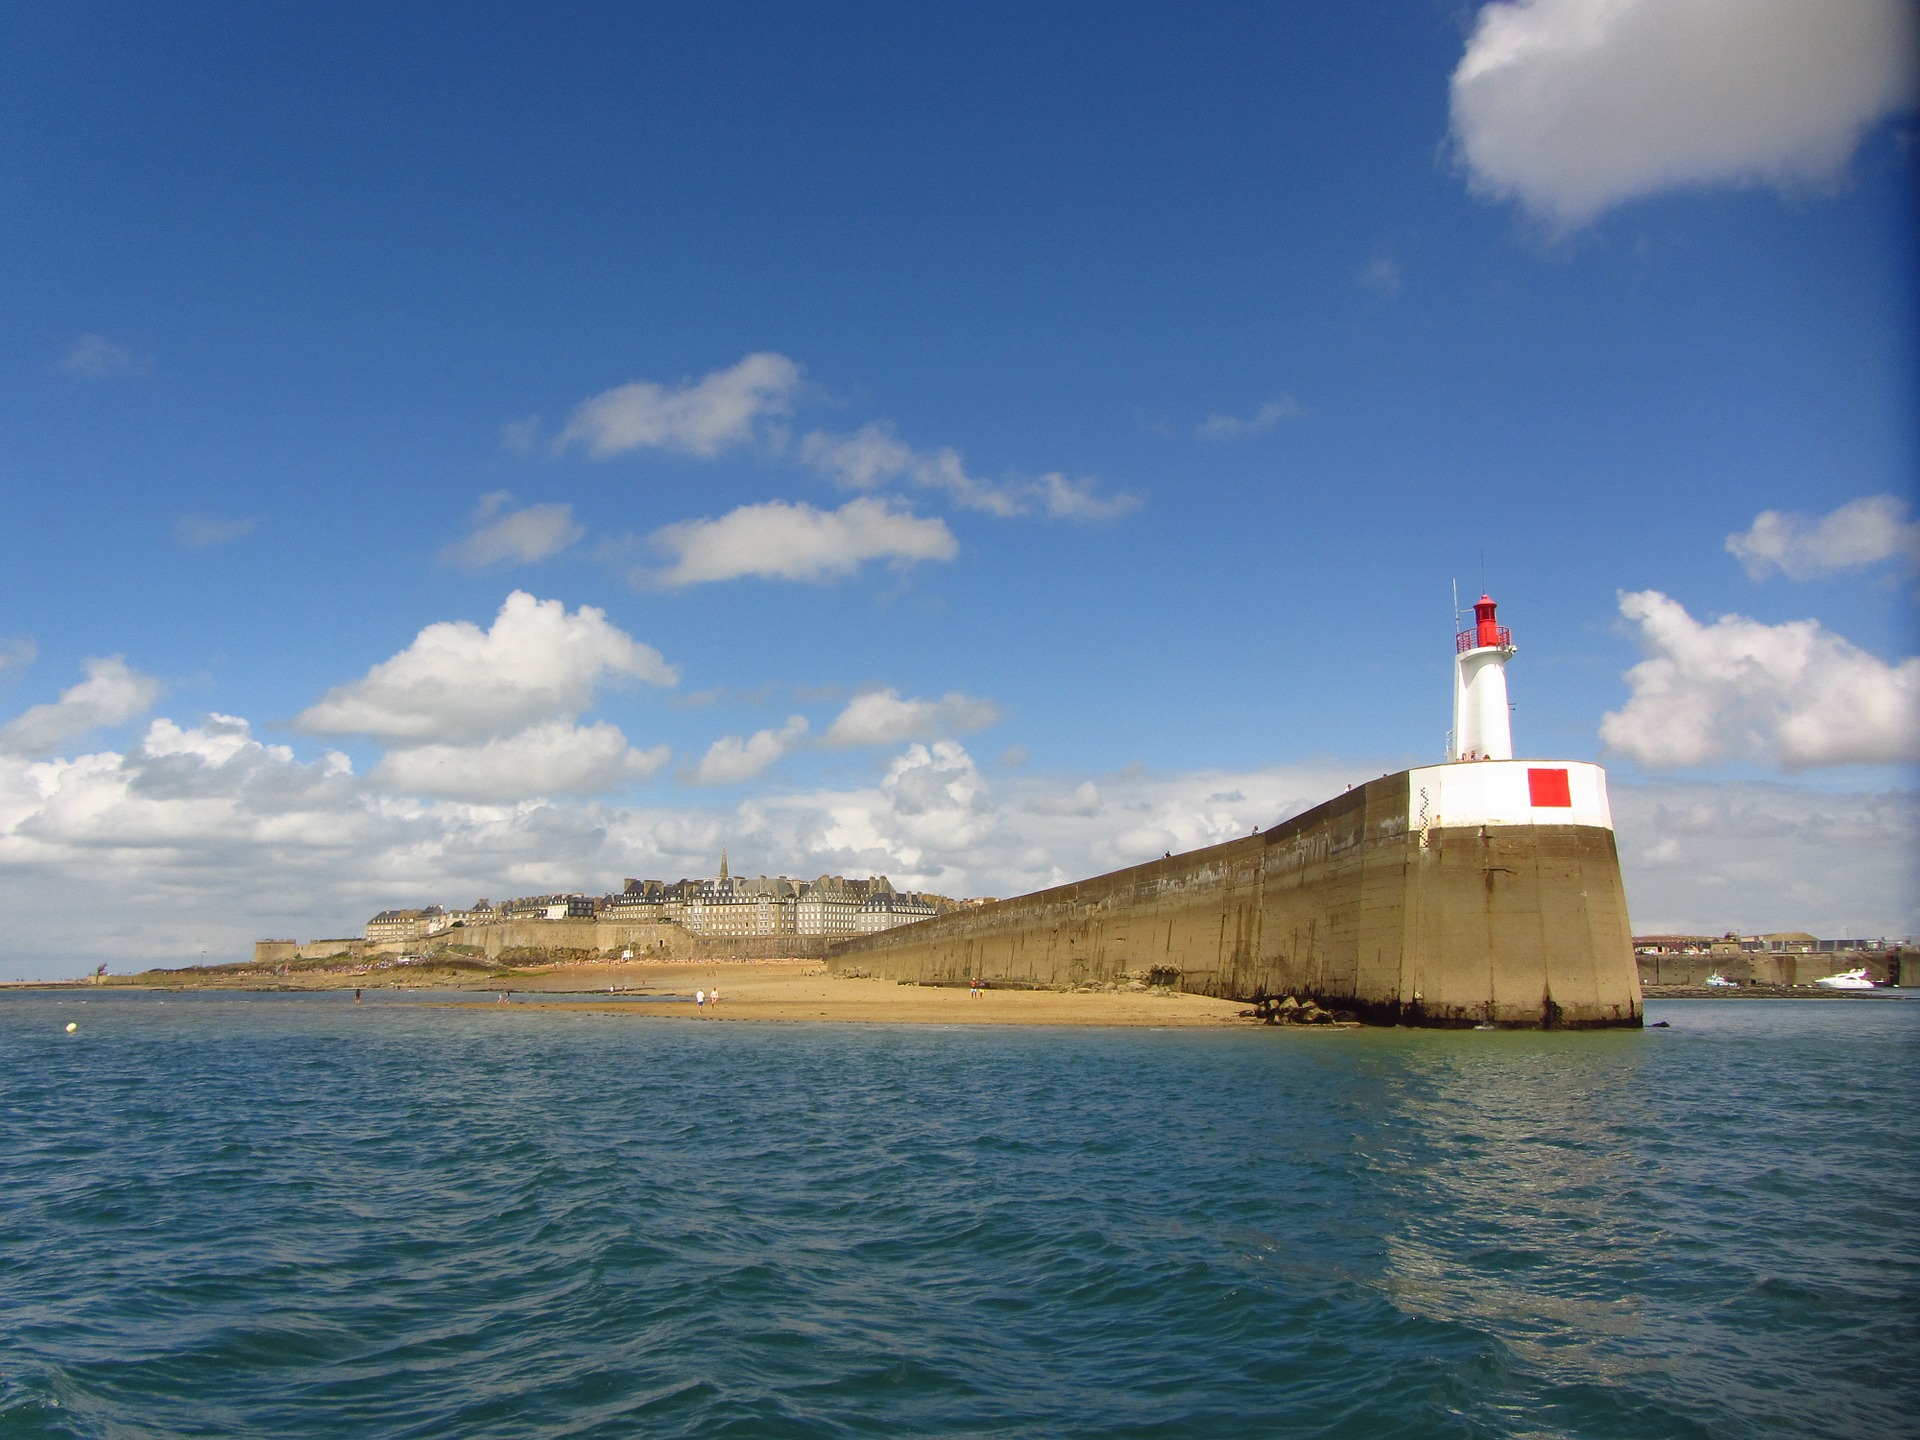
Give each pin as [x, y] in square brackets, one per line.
[1794, 695]
[780, 541]
[459, 684]
[112, 694]
[518, 537]
[873, 456]
[1083, 799]
[1572, 106]
[1860, 533]
[731, 759]
[95, 357]
[704, 417]
[216, 740]
[213, 839]
[881, 717]
[934, 822]
[554, 758]
[198, 532]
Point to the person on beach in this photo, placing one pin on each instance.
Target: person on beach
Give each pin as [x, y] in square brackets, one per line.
[356, 996]
[699, 999]
[713, 997]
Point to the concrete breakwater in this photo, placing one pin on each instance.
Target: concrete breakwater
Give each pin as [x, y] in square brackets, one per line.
[1430, 897]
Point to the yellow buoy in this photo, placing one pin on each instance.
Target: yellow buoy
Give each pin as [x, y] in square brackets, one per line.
[71, 1027]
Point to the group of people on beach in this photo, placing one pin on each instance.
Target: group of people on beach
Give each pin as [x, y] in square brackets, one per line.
[704, 998]
[976, 989]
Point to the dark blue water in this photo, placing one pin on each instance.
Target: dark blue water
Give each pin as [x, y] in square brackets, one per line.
[291, 1216]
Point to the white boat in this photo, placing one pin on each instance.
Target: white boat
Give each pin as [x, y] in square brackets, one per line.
[1847, 980]
[1720, 982]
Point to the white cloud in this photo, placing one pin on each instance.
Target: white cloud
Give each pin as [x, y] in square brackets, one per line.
[935, 823]
[730, 408]
[1083, 799]
[731, 759]
[704, 417]
[779, 541]
[197, 532]
[112, 694]
[206, 837]
[881, 717]
[519, 537]
[95, 357]
[1234, 427]
[931, 808]
[873, 456]
[1573, 106]
[1860, 533]
[555, 758]
[870, 457]
[459, 684]
[1751, 857]
[1794, 695]
[214, 839]
[1064, 499]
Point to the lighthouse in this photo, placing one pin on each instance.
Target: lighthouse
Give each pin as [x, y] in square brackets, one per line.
[1483, 894]
[1482, 723]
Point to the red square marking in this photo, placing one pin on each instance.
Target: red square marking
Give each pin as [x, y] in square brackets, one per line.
[1549, 787]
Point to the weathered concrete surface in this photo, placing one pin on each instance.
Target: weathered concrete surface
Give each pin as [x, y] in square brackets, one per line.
[1513, 925]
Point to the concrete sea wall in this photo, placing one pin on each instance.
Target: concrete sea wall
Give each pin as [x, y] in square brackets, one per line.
[1351, 904]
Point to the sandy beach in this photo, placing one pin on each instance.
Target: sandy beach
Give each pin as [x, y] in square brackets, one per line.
[804, 991]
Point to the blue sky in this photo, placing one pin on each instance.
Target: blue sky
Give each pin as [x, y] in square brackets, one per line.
[1121, 388]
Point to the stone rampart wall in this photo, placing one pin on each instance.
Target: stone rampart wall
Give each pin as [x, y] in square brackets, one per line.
[648, 939]
[327, 949]
[1883, 967]
[1519, 925]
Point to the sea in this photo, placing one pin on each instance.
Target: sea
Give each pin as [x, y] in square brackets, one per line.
[291, 1215]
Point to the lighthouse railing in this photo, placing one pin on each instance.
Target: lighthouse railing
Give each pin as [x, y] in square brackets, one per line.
[1472, 639]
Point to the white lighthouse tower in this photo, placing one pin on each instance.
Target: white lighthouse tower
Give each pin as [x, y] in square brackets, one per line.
[1482, 723]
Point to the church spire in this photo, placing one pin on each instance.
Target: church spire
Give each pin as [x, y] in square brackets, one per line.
[723, 862]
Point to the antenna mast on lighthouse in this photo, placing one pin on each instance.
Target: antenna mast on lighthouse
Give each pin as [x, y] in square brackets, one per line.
[1482, 722]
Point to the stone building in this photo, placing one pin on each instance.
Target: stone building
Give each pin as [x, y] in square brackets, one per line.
[390, 925]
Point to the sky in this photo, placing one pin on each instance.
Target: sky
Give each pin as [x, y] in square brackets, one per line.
[483, 450]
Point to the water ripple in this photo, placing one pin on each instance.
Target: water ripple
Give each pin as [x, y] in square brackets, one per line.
[288, 1216]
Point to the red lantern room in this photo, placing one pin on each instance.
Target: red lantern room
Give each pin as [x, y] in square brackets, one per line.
[1485, 631]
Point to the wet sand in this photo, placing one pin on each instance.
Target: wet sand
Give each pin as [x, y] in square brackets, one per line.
[804, 991]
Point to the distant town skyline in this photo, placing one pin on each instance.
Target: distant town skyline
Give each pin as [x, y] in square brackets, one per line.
[456, 454]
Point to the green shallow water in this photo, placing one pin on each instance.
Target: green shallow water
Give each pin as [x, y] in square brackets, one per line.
[291, 1216]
